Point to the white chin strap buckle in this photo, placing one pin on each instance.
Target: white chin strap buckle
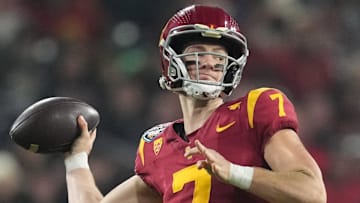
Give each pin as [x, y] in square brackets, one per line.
[202, 91]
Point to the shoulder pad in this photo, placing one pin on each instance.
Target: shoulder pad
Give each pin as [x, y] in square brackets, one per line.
[152, 133]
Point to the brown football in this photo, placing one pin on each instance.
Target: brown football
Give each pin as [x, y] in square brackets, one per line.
[50, 125]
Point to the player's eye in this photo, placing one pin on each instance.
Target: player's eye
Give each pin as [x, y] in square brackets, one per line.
[220, 59]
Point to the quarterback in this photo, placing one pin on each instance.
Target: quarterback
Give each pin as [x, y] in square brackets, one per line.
[245, 150]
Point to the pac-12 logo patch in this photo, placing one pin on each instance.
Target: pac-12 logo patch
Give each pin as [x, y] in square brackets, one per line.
[155, 131]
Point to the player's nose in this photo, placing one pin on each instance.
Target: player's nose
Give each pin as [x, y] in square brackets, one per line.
[208, 61]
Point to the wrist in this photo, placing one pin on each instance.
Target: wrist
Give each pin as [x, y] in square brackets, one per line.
[76, 161]
[241, 176]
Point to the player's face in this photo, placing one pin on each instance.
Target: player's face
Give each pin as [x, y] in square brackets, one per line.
[205, 61]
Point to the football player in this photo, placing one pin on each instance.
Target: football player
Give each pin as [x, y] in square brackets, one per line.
[245, 150]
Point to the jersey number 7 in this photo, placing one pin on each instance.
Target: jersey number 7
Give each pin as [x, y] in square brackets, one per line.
[202, 182]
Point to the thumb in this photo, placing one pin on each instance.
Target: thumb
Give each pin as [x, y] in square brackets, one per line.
[82, 123]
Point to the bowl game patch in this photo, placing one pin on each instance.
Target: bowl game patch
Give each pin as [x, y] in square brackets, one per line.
[155, 131]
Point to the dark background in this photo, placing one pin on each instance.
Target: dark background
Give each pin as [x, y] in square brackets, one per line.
[105, 53]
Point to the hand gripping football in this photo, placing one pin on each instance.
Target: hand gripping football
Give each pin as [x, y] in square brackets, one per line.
[50, 125]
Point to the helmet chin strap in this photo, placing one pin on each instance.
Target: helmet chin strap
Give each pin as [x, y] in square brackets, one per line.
[202, 91]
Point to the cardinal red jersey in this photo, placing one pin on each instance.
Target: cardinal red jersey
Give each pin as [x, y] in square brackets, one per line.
[238, 130]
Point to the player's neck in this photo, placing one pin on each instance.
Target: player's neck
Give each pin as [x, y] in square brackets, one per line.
[196, 112]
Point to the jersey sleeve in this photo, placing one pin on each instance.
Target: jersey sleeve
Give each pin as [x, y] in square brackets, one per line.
[269, 110]
[145, 152]
[140, 159]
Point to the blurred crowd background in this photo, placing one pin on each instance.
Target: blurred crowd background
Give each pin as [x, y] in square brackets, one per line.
[105, 53]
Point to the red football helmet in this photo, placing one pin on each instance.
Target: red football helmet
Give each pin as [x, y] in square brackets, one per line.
[201, 24]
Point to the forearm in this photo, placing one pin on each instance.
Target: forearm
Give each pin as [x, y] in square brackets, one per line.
[291, 186]
[80, 181]
[81, 187]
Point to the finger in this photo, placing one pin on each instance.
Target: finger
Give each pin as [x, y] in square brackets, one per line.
[201, 147]
[93, 132]
[213, 168]
[93, 135]
[203, 164]
[191, 151]
[82, 124]
[208, 153]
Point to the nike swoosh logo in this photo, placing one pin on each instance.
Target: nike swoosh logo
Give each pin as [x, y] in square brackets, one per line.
[220, 129]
